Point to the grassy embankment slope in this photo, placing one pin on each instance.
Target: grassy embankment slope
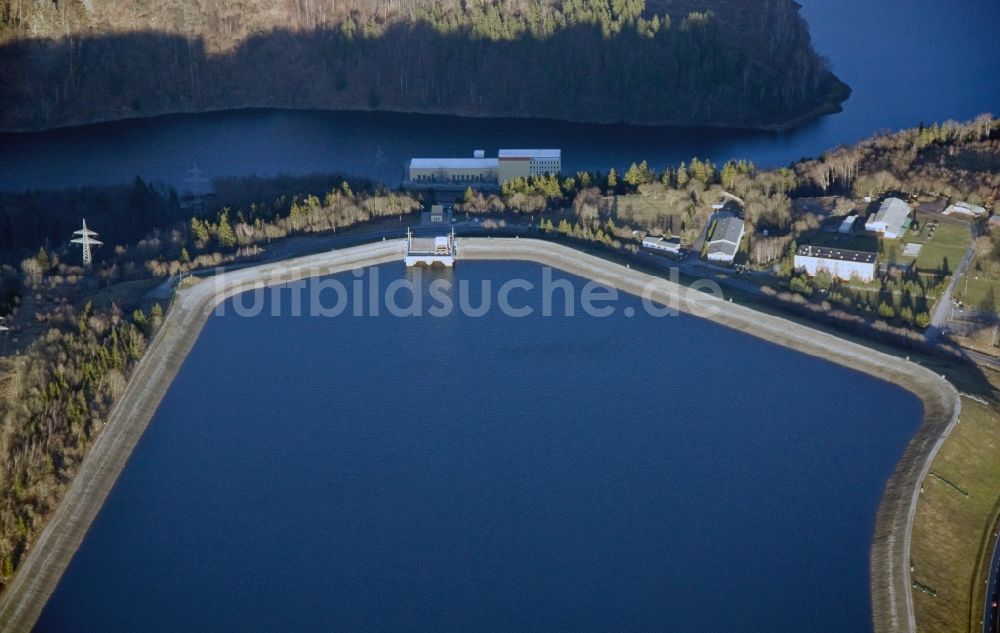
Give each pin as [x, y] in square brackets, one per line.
[952, 531]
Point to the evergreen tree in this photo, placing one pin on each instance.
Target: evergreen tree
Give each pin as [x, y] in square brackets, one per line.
[200, 232]
[633, 176]
[702, 171]
[224, 230]
[44, 263]
[645, 173]
[569, 185]
[729, 173]
[139, 319]
[156, 316]
[682, 176]
[612, 180]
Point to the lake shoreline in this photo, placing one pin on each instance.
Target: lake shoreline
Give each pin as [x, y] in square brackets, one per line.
[831, 103]
[40, 572]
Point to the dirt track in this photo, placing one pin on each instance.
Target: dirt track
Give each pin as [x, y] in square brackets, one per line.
[39, 574]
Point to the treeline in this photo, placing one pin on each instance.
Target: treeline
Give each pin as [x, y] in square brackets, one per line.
[867, 325]
[147, 234]
[214, 238]
[125, 214]
[58, 396]
[121, 214]
[584, 60]
[951, 159]
[10, 289]
[687, 189]
[904, 299]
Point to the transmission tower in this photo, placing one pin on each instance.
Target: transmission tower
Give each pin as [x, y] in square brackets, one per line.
[87, 240]
[196, 180]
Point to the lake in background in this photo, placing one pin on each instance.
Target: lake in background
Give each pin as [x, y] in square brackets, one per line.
[908, 61]
[493, 473]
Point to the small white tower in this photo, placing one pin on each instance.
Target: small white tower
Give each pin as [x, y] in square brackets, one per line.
[87, 240]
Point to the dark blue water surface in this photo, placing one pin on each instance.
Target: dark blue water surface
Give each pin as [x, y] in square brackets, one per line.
[907, 61]
[493, 473]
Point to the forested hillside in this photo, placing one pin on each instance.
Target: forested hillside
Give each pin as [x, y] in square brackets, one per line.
[715, 62]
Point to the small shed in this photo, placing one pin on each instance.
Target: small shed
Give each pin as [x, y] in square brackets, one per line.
[848, 224]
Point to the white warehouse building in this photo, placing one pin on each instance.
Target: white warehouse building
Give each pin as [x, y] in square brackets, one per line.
[966, 208]
[891, 220]
[839, 262]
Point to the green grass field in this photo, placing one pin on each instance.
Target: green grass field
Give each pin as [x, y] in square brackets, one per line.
[959, 502]
[979, 294]
[949, 243]
[649, 211]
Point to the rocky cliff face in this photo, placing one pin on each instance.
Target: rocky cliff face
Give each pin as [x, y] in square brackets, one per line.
[716, 62]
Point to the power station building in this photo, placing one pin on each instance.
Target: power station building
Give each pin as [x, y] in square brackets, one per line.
[480, 172]
[474, 172]
[522, 163]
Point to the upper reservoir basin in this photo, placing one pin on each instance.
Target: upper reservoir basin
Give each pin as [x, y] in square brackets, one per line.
[464, 473]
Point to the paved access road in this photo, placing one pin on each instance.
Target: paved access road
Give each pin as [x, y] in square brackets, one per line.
[942, 309]
[991, 608]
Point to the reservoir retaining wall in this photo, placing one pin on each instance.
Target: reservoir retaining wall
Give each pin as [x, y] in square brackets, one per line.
[42, 568]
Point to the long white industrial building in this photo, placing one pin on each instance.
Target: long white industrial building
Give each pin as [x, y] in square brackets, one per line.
[840, 263]
[480, 172]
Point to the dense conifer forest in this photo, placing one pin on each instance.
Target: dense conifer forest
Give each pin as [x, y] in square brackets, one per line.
[715, 62]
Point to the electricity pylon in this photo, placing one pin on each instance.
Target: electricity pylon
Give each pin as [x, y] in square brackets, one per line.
[86, 240]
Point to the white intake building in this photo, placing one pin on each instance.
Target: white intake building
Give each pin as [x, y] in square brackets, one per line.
[427, 251]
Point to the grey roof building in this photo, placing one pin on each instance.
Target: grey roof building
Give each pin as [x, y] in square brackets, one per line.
[892, 218]
[669, 244]
[726, 238]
